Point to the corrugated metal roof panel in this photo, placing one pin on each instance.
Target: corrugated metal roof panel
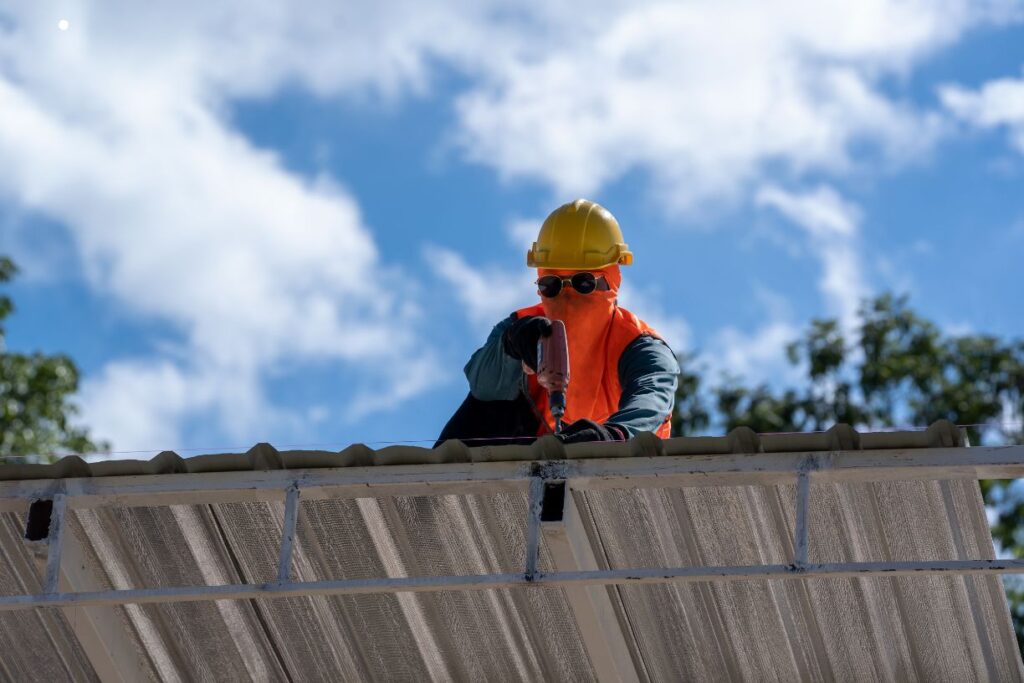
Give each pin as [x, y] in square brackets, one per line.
[504, 634]
[912, 628]
[264, 457]
[39, 645]
[871, 629]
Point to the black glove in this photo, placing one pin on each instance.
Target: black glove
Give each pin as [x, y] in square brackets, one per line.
[582, 431]
[520, 340]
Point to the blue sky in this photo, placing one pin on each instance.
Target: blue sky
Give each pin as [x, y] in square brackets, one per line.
[248, 223]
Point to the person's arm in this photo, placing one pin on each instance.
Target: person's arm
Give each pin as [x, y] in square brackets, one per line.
[493, 374]
[649, 375]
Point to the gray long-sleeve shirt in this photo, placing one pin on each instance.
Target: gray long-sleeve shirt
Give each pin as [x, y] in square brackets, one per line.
[648, 374]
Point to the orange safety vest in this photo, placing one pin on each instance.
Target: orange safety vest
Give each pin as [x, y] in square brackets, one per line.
[625, 327]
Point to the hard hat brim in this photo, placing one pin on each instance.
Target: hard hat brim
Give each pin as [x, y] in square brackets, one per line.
[537, 258]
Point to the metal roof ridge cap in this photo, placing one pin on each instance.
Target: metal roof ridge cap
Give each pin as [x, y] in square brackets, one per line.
[696, 445]
[939, 434]
[263, 456]
[454, 450]
[499, 453]
[743, 439]
[843, 437]
[168, 462]
[548, 447]
[69, 467]
[358, 455]
[646, 444]
[215, 462]
[944, 434]
[311, 460]
[794, 442]
[402, 454]
[839, 437]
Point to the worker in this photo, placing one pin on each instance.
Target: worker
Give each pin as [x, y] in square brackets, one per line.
[622, 376]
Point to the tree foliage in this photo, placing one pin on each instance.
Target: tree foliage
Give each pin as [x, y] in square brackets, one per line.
[899, 369]
[36, 412]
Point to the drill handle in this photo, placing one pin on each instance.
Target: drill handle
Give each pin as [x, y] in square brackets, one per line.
[553, 359]
[553, 369]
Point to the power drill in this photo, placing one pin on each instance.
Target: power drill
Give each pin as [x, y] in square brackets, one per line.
[553, 369]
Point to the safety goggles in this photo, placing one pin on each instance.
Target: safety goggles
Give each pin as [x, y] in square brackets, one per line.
[584, 283]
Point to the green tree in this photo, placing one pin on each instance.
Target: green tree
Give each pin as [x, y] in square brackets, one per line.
[690, 414]
[899, 369]
[36, 412]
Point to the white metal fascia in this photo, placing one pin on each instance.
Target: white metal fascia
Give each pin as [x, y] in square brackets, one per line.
[1006, 462]
[598, 624]
[100, 630]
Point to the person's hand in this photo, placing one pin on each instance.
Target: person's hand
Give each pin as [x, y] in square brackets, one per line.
[520, 340]
[582, 431]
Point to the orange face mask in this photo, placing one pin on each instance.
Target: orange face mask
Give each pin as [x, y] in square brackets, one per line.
[588, 320]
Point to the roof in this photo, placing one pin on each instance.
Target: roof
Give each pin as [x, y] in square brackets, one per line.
[265, 457]
[953, 627]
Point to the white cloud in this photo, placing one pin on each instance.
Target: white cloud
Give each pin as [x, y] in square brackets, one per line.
[822, 212]
[522, 233]
[403, 379]
[646, 303]
[758, 356]
[182, 220]
[488, 295]
[832, 224]
[996, 104]
[706, 95]
[232, 48]
[141, 403]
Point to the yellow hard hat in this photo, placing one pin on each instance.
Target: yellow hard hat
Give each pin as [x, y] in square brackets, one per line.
[581, 235]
